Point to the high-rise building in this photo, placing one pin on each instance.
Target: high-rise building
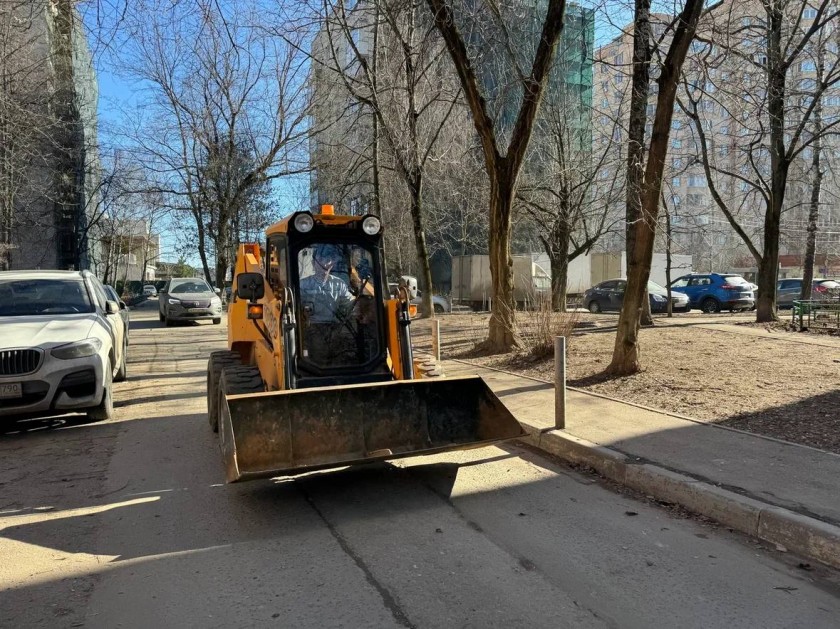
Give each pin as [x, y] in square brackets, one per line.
[50, 166]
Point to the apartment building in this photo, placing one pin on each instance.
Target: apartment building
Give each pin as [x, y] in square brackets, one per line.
[727, 89]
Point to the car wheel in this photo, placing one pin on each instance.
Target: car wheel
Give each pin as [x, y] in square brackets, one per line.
[217, 321]
[105, 410]
[594, 307]
[218, 361]
[122, 372]
[710, 305]
[438, 309]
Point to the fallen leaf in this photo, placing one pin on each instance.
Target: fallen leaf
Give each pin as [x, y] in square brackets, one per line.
[630, 513]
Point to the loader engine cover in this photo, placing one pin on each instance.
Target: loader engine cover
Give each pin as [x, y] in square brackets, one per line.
[285, 432]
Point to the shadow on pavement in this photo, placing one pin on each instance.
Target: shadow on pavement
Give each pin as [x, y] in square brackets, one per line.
[10, 426]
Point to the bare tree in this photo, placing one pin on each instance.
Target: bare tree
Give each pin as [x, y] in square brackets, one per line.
[625, 359]
[503, 164]
[390, 60]
[562, 190]
[763, 50]
[217, 85]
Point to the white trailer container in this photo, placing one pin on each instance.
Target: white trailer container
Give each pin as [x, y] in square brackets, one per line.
[472, 285]
[587, 270]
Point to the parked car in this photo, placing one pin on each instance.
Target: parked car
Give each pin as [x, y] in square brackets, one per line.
[189, 299]
[62, 344]
[111, 294]
[609, 296]
[713, 292]
[439, 303]
[150, 291]
[790, 289]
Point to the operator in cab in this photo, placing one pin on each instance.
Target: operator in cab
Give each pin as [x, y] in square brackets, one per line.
[336, 298]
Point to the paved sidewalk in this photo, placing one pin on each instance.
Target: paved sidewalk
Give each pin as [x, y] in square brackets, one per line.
[798, 478]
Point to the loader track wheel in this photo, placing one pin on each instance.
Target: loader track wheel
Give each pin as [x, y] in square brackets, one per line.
[235, 381]
[218, 361]
[425, 366]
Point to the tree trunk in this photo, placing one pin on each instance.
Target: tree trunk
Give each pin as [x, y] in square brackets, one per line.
[636, 125]
[668, 260]
[558, 255]
[202, 244]
[768, 268]
[416, 191]
[626, 354]
[502, 336]
[636, 134]
[814, 208]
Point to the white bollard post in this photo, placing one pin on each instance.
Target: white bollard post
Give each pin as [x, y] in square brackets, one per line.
[559, 381]
[436, 339]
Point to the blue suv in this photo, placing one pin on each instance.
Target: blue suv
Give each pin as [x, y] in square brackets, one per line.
[713, 292]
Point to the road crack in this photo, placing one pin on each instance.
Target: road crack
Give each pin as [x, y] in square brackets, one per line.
[388, 599]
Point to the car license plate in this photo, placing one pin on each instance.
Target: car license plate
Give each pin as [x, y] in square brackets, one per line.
[11, 390]
[196, 309]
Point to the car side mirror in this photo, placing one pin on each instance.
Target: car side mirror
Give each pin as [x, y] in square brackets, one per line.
[122, 305]
[111, 307]
[250, 286]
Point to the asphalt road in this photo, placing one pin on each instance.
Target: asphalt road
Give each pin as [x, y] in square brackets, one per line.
[128, 523]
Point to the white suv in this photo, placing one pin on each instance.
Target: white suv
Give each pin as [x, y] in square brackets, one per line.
[62, 344]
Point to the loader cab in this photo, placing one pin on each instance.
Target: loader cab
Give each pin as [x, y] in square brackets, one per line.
[333, 272]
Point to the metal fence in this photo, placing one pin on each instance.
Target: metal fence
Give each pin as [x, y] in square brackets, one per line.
[811, 314]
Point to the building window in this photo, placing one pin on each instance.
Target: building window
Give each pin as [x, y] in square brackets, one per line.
[676, 143]
[808, 65]
[697, 181]
[809, 13]
[676, 163]
[675, 181]
[696, 200]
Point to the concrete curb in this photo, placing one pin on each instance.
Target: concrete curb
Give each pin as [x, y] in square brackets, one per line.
[796, 532]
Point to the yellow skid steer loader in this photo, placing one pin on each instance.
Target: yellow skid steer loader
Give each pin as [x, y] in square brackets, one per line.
[320, 371]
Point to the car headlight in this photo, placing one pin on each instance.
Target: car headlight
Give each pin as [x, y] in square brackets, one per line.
[656, 297]
[304, 222]
[174, 302]
[371, 225]
[79, 349]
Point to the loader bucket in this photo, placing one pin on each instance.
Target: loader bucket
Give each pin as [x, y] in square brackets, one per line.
[285, 432]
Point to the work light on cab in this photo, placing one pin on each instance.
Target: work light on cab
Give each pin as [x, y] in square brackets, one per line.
[304, 222]
[371, 225]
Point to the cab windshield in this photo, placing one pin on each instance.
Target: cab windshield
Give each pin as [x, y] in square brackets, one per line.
[337, 297]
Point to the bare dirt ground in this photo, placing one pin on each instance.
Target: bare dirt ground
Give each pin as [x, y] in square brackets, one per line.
[762, 380]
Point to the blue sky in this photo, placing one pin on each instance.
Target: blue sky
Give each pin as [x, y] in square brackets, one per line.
[117, 95]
